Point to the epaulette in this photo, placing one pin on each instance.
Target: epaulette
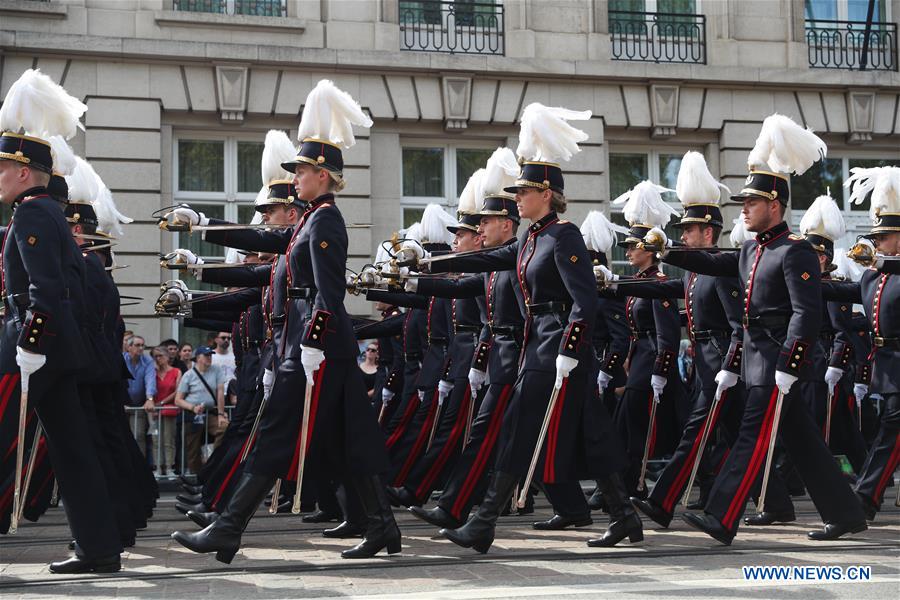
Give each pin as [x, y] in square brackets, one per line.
[795, 237]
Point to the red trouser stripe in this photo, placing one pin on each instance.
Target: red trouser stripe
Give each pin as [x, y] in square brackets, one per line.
[313, 406]
[553, 435]
[756, 460]
[411, 407]
[231, 471]
[458, 428]
[487, 446]
[681, 479]
[888, 470]
[413, 455]
[7, 385]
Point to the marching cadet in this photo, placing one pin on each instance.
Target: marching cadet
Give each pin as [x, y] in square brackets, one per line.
[558, 298]
[781, 317]
[496, 359]
[879, 292]
[713, 309]
[457, 406]
[43, 283]
[317, 349]
[653, 383]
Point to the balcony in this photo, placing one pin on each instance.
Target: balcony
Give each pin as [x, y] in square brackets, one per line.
[658, 37]
[254, 8]
[851, 45]
[460, 27]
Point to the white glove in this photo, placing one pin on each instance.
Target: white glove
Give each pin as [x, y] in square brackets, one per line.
[28, 362]
[658, 383]
[409, 251]
[476, 379]
[369, 276]
[311, 358]
[411, 285]
[602, 273]
[860, 390]
[603, 379]
[564, 366]
[784, 381]
[185, 257]
[267, 382]
[725, 380]
[444, 388]
[187, 216]
[386, 396]
[833, 376]
[421, 395]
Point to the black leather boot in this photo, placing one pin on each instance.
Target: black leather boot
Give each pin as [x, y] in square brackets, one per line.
[624, 522]
[437, 516]
[597, 501]
[320, 516]
[78, 564]
[381, 529]
[478, 532]
[345, 530]
[224, 536]
[203, 519]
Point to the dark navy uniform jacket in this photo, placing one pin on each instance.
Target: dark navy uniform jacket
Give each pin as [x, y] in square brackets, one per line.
[714, 307]
[102, 298]
[557, 291]
[43, 286]
[837, 343]
[879, 293]
[782, 312]
[612, 339]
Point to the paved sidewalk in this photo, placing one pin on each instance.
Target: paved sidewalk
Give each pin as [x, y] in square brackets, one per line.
[284, 558]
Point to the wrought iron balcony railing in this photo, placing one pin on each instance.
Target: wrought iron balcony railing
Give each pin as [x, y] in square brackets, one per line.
[851, 45]
[256, 8]
[456, 27]
[658, 37]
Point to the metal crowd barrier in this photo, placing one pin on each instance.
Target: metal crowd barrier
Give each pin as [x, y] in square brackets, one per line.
[153, 436]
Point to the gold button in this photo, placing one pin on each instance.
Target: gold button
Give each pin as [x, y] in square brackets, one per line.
[794, 365]
[34, 331]
[39, 320]
[31, 340]
[571, 346]
[315, 337]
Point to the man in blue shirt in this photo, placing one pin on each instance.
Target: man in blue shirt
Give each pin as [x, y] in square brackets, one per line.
[141, 388]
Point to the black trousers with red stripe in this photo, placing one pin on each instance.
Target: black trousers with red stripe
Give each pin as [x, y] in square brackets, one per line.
[884, 456]
[467, 483]
[674, 477]
[432, 468]
[803, 441]
[846, 437]
[405, 447]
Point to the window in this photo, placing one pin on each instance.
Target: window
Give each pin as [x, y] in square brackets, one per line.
[627, 169]
[437, 173]
[259, 8]
[844, 10]
[218, 176]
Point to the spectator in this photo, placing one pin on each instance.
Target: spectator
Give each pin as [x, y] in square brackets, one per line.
[141, 388]
[171, 347]
[369, 367]
[186, 356]
[167, 380]
[231, 391]
[223, 356]
[125, 337]
[202, 390]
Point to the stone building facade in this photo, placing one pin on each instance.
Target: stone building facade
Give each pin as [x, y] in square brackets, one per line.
[181, 92]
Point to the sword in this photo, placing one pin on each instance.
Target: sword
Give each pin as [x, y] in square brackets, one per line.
[470, 417]
[437, 417]
[771, 452]
[828, 409]
[276, 491]
[442, 257]
[253, 430]
[54, 495]
[707, 427]
[20, 454]
[32, 459]
[304, 431]
[641, 485]
[523, 495]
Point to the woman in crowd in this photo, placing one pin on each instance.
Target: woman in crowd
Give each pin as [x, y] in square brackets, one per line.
[167, 380]
[369, 367]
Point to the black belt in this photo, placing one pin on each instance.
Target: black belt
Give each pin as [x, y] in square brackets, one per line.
[441, 341]
[883, 342]
[708, 334]
[301, 293]
[505, 330]
[767, 321]
[277, 320]
[467, 329]
[411, 356]
[647, 333]
[542, 308]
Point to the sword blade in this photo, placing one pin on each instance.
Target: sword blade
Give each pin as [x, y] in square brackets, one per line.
[641, 485]
[828, 409]
[523, 496]
[707, 426]
[771, 452]
[304, 431]
[20, 455]
[32, 459]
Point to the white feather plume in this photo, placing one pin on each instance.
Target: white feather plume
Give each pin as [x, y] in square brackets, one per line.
[40, 107]
[785, 147]
[545, 134]
[845, 267]
[644, 205]
[599, 232]
[501, 171]
[823, 217]
[329, 114]
[413, 232]
[434, 223]
[83, 182]
[109, 219]
[882, 182]
[695, 184]
[470, 198]
[381, 253]
[276, 150]
[739, 233]
[63, 155]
